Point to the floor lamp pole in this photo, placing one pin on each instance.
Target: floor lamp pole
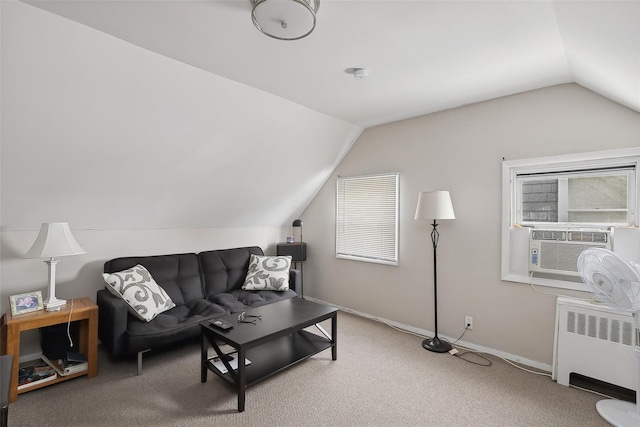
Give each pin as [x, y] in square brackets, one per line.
[435, 344]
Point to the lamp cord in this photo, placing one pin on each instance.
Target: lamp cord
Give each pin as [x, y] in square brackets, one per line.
[69, 326]
[487, 361]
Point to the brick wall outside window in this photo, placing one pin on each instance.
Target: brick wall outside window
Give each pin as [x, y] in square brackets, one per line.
[540, 200]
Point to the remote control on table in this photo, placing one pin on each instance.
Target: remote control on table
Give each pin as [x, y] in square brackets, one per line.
[221, 324]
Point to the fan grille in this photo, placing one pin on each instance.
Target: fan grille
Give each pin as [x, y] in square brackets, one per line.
[611, 278]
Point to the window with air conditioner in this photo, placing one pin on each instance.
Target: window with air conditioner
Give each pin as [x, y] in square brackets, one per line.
[553, 208]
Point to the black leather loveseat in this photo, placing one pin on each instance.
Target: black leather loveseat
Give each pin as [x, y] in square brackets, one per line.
[202, 286]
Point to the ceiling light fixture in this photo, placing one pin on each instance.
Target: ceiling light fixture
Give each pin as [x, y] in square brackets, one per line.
[285, 19]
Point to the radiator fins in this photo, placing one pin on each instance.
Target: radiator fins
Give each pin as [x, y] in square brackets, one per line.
[600, 327]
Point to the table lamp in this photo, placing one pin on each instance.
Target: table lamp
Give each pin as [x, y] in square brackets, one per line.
[54, 240]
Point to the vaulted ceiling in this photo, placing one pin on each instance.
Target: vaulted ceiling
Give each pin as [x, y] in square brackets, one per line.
[179, 113]
[422, 56]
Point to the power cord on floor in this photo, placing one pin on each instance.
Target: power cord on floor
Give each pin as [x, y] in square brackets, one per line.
[476, 353]
[466, 328]
[469, 351]
[544, 374]
[454, 352]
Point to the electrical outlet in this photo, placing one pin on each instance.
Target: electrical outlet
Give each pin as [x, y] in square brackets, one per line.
[468, 322]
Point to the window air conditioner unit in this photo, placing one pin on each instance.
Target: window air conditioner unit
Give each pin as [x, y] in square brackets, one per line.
[556, 251]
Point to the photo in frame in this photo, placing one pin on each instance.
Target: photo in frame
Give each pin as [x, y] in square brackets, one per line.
[26, 303]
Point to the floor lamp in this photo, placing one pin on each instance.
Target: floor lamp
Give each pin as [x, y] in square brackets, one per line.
[435, 205]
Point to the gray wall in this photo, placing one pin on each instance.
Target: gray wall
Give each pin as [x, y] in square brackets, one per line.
[460, 150]
[76, 102]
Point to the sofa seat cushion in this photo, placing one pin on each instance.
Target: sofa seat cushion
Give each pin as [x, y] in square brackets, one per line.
[175, 325]
[239, 300]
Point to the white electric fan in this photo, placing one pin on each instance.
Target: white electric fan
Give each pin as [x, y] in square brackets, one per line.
[617, 283]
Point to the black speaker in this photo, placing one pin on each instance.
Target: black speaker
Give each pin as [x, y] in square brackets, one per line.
[55, 340]
[297, 251]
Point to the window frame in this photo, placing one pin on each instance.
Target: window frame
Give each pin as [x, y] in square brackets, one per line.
[514, 267]
[564, 174]
[349, 253]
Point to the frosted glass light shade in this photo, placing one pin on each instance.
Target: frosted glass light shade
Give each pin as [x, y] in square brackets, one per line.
[434, 205]
[285, 19]
[54, 240]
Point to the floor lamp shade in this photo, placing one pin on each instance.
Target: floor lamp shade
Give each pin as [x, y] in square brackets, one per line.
[434, 205]
[54, 240]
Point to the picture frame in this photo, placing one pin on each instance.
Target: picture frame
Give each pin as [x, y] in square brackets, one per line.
[26, 303]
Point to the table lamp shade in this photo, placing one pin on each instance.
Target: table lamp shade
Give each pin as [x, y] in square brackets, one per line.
[434, 205]
[54, 240]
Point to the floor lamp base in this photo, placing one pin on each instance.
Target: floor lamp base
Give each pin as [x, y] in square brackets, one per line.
[436, 344]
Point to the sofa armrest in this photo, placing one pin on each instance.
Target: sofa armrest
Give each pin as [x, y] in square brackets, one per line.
[112, 322]
[295, 281]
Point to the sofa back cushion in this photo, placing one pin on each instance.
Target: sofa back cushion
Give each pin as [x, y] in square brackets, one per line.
[225, 270]
[178, 275]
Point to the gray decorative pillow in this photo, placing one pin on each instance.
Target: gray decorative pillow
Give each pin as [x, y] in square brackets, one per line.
[146, 299]
[268, 273]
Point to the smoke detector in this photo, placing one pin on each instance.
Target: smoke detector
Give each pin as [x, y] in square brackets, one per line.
[359, 73]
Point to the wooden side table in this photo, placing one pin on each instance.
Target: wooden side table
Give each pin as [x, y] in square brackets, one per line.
[84, 310]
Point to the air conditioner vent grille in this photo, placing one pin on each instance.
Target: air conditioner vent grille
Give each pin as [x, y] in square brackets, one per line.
[556, 251]
[561, 257]
[600, 327]
[588, 236]
[548, 235]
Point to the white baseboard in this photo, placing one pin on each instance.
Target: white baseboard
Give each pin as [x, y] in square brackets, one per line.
[425, 333]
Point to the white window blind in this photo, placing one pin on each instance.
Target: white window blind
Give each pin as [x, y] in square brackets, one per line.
[367, 218]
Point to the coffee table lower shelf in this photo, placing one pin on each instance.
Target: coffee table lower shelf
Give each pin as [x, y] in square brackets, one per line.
[274, 356]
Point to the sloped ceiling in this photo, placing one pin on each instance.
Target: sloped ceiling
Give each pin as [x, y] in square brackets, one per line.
[422, 56]
[168, 114]
[108, 135]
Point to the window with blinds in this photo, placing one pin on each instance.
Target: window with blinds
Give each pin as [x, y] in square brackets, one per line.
[367, 218]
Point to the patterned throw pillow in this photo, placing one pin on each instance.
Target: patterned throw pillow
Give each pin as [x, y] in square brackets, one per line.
[268, 273]
[146, 299]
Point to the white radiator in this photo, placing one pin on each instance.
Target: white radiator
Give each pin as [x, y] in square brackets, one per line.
[595, 341]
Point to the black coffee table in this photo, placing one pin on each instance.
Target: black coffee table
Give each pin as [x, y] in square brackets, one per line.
[271, 344]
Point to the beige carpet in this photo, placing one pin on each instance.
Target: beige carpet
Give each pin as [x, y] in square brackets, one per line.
[382, 377]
